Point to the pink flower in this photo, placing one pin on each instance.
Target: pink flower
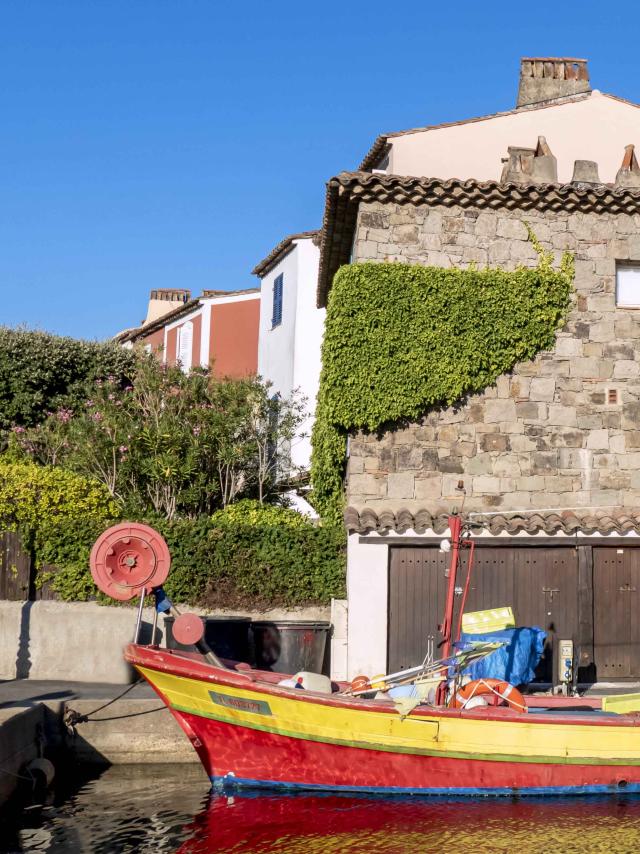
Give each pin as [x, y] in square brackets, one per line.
[97, 417]
[196, 431]
[19, 429]
[123, 449]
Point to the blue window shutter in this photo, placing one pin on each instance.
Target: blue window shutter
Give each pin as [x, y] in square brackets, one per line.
[276, 316]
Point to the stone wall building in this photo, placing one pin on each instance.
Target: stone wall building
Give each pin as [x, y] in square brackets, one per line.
[560, 431]
[547, 461]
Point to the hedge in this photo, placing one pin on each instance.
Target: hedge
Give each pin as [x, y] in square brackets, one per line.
[248, 555]
[59, 516]
[40, 372]
[402, 338]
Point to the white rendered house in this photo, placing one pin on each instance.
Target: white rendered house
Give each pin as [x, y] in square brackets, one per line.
[291, 327]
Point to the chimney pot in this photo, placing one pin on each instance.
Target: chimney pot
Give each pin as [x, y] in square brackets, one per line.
[545, 79]
[530, 165]
[585, 172]
[629, 173]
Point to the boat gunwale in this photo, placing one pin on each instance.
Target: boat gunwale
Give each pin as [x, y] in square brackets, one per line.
[176, 664]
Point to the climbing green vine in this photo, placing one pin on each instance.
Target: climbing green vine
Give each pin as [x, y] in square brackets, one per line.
[401, 338]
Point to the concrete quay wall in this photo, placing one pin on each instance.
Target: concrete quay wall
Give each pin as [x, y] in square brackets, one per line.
[83, 641]
[131, 732]
[21, 738]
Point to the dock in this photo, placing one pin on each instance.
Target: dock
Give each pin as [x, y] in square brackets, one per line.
[136, 729]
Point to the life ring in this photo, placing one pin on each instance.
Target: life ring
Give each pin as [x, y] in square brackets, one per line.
[503, 692]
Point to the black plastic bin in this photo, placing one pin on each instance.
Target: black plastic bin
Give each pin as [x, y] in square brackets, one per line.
[287, 646]
[228, 637]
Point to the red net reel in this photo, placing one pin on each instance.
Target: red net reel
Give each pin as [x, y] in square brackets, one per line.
[129, 558]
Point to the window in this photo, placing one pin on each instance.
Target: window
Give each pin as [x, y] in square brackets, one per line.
[185, 341]
[628, 285]
[276, 315]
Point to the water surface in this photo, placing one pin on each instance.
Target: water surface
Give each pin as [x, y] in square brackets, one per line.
[157, 809]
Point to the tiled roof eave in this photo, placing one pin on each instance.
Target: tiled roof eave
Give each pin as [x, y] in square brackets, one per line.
[280, 251]
[348, 189]
[159, 322]
[367, 521]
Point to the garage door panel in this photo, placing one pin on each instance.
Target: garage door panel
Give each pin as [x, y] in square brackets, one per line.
[616, 598]
[541, 584]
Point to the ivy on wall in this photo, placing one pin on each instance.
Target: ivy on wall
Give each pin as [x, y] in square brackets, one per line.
[402, 338]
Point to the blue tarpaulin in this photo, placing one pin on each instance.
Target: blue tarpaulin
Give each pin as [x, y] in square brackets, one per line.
[515, 662]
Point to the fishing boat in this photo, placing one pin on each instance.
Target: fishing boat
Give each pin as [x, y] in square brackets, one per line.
[251, 731]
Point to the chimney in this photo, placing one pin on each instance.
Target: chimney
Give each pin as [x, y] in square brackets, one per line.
[164, 300]
[530, 165]
[544, 79]
[629, 173]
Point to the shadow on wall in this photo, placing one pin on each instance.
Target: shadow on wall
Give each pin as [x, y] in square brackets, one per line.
[23, 658]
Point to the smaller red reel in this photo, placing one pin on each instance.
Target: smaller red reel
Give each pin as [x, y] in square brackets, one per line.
[188, 629]
[129, 558]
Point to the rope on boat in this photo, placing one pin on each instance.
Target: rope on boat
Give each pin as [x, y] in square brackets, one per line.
[73, 718]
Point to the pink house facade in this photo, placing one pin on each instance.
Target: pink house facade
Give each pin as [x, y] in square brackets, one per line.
[217, 329]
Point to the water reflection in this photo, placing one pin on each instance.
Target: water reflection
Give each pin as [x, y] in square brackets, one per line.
[155, 809]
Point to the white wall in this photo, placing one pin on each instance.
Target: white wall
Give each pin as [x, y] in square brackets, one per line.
[308, 342]
[289, 355]
[367, 596]
[594, 128]
[276, 347]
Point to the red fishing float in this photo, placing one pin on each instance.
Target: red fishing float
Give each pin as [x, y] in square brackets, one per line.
[188, 629]
[129, 558]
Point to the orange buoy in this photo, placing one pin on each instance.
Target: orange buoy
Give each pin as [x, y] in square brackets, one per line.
[360, 683]
[503, 693]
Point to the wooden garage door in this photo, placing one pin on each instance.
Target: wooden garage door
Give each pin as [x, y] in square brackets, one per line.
[541, 584]
[616, 604]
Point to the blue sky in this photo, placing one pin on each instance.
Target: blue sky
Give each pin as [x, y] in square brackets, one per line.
[172, 143]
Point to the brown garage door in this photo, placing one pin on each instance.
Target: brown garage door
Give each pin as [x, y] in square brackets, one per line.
[541, 584]
[616, 601]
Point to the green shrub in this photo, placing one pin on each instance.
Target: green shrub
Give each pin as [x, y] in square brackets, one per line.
[59, 516]
[401, 338]
[253, 555]
[270, 555]
[247, 555]
[40, 372]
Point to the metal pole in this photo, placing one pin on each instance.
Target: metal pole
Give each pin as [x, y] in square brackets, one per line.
[154, 627]
[455, 525]
[136, 633]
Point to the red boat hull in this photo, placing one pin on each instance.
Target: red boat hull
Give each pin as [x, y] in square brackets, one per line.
[244, 757]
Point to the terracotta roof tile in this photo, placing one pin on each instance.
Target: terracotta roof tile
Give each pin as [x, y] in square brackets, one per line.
[568, 522]
[158, 323]
[348, 189]
[278, 252]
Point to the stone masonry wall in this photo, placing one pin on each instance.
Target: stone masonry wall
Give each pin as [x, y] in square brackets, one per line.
[544, 436]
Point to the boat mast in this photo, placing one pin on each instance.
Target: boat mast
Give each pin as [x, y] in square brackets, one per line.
[455, 527]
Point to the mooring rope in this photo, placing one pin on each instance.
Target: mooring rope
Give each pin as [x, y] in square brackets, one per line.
[73, 718]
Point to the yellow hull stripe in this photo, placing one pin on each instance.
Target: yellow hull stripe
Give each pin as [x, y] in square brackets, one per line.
[455, 737]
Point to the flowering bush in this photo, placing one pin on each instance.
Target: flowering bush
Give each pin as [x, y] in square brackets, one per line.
[170, 443]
